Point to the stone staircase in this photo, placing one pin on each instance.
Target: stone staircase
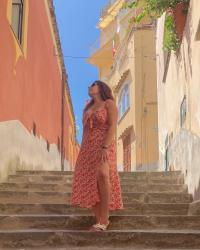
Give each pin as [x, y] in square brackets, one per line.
[35, 213]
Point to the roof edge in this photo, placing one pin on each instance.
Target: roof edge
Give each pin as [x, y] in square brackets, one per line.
[60, 54]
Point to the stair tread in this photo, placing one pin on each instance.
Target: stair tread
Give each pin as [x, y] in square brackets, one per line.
[61, 204]
[89, 215]
[96, 248]
[62, 184]
[61, 192]
[68, 172]
[86, 215]
[155, 231]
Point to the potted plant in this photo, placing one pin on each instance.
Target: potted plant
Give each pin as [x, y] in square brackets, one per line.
[155, 8]
[180, 15]
[175, 20]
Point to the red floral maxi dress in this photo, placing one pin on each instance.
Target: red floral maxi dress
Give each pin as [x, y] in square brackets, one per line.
[84, 186]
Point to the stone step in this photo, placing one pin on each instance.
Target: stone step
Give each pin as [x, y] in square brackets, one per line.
[152, 180]
[40, 178]
[68, 179]
[62, 197]
[142, 187]
[135, 173]
[112, 238]
[83, 222]
[129, 209]
[93, 248]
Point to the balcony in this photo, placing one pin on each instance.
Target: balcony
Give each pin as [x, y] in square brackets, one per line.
[109, 12]
[105, 9]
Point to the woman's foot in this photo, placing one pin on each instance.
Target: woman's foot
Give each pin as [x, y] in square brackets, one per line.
[99, 227]
[93, 227]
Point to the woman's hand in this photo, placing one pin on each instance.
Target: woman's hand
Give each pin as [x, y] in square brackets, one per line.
[104, 155]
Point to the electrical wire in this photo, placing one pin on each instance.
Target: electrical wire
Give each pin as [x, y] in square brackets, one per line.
[105, 58]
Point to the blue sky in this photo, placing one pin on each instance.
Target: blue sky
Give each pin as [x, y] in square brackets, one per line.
[77, 22]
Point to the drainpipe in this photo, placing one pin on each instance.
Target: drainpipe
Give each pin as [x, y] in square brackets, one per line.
[62, 118]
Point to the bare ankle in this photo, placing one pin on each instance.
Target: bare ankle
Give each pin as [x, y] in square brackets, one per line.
[105, 222]
[98, 220]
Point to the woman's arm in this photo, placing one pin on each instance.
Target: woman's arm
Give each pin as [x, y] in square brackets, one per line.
[112, 121]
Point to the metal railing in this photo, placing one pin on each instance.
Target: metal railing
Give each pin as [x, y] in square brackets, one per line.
[105, 9]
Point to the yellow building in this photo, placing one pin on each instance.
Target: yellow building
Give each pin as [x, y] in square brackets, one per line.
[126, 62]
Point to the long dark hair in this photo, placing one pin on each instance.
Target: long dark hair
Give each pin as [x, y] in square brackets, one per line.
[105, 92]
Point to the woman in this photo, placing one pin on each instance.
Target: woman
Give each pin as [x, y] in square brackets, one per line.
[96, 182]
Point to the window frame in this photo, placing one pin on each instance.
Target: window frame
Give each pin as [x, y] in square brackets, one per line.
[19, 32]
[124, 100]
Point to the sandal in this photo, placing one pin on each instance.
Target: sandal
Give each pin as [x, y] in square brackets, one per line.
[100, 227]
[93, 227]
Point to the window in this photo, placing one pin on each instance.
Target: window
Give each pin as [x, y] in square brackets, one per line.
[17, 18]
[124, 101]
[183, 111]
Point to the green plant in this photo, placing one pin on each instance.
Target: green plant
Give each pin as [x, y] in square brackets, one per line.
[153, 8]
[171, 41]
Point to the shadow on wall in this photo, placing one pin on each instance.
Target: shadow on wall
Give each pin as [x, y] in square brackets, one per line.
[184, 155]
[188, 35]
[186, 55]
[22, 150]
[197, 192]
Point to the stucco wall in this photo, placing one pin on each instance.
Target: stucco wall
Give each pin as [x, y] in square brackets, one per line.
[184, 154]
[31, 79]
[21, 150]
[183, 78]
[142, 80]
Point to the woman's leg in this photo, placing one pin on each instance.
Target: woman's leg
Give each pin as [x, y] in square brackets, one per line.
[104, 191]
[96, 210]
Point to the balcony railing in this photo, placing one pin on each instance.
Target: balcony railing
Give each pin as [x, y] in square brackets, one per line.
[121, 54]
[105, 9]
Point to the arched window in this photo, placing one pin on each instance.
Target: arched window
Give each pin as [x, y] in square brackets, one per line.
[124, 100]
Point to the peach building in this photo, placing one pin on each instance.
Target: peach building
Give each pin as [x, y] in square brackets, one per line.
[37, 124]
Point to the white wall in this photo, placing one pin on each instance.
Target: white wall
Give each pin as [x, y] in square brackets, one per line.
[183, 78]
[23, 151]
